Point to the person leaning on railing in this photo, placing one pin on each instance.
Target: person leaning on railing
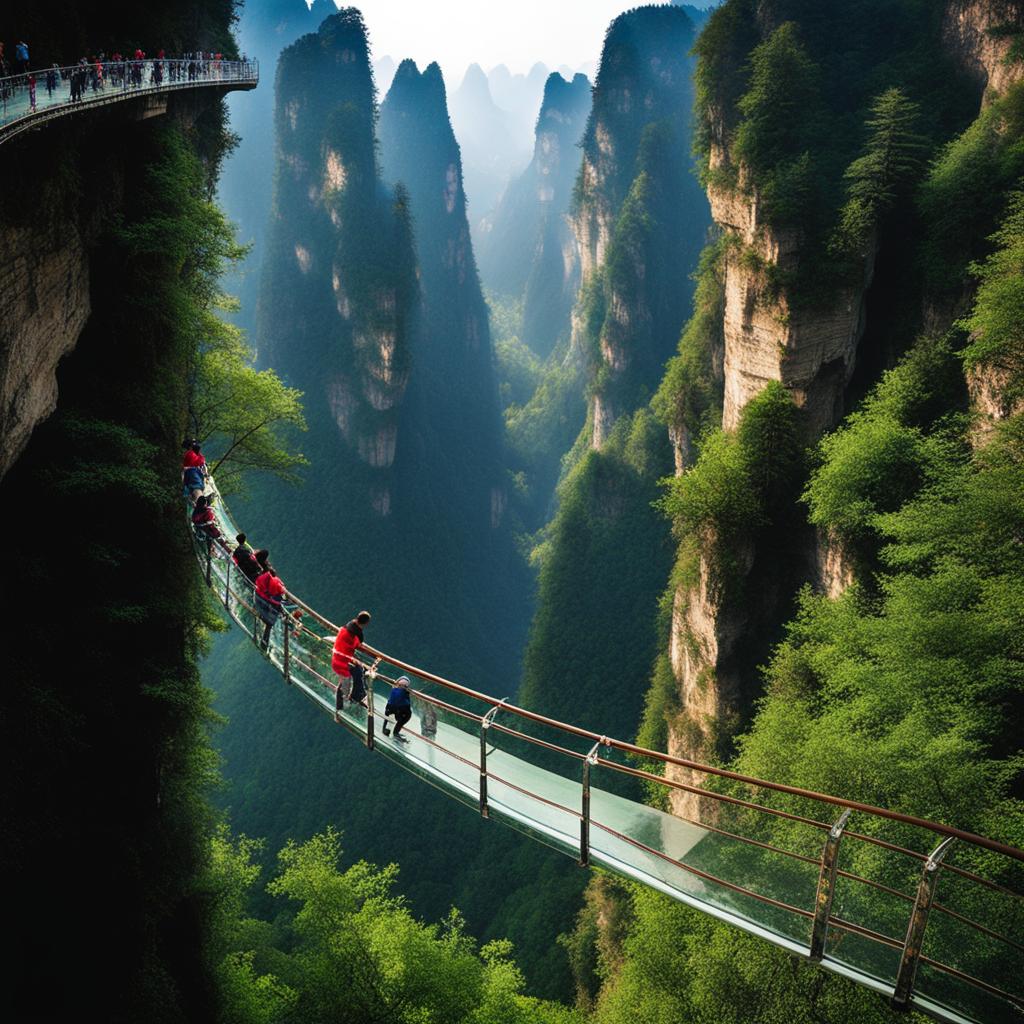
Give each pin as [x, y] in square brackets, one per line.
[270, 597]
[344, 663]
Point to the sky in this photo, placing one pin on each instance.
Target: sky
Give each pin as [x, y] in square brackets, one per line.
[517, 33]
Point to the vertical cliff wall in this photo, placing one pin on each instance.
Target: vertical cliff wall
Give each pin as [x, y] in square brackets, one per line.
[339, 301]
[638, 216]
[453, 388]
[529, 250]
[104, 718]
[813, 298]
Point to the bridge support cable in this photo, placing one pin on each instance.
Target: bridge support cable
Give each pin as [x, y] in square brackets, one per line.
[827, 886]
[912, 947]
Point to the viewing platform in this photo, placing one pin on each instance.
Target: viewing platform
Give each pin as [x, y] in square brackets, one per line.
[70, 90]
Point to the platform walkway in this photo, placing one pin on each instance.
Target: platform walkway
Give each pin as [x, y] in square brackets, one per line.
[119, 82]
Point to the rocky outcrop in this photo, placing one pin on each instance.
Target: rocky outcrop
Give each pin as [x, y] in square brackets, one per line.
[48, 230]
[44, 304]
[339, 297]
[981, 34]
[812, 351]
[453, 394]
[638, 215]
[528, 250]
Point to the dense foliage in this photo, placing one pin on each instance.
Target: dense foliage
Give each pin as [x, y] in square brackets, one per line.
[106, 717]
[345, 947]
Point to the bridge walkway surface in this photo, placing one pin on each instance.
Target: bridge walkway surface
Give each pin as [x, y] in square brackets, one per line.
[929, 916]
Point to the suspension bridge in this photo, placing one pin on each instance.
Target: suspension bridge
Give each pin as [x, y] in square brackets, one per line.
[929, 916]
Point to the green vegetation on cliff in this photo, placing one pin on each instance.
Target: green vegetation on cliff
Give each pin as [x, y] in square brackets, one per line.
[104, 712]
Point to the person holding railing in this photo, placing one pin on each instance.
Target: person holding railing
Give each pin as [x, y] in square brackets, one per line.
[204, 521]
[343, 661]
[400, 705]
[270, 597]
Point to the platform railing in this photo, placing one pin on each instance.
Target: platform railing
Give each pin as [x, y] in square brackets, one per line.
[46, 92]
[929, 915]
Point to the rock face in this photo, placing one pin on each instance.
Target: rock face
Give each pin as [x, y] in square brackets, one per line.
[638, 215]
[453, 396]
[44, 304]
[340, 299]
[980, 33]
[246, 186]
[45, 250]
[529, 250]
[811, 351]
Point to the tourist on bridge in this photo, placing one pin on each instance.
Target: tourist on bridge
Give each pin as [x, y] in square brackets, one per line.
[400, 705]
[193, 468]
[343, 661]
[52, 78]
[204, 521]
[21, 57]
[270, 597]
[245, 558]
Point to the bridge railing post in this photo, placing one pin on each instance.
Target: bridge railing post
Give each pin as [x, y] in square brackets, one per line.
[227, 588]
[286, 628]
[485, 724]
[915, 930]
[588, 762]
[827, 886]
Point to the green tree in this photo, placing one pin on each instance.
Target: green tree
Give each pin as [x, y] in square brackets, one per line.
[996, 323]
[876, 180]
[353, 952]
[244, 413]
[781, 116]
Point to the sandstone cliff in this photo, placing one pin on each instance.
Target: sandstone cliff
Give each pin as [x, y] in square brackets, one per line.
[638, 216]
[528, 250]
[772, 333]
[339, 294]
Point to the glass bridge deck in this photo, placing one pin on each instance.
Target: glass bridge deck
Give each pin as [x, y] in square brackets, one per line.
[931, 918]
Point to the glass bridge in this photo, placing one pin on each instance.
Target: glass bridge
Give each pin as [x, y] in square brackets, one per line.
[929, 916]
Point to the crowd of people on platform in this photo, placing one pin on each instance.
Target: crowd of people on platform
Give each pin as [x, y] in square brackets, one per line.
[96, 72]
[271, 601]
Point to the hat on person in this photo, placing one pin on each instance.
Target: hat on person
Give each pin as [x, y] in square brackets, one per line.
[403, 681]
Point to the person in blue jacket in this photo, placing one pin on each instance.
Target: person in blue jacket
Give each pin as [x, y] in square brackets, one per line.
[400, 705]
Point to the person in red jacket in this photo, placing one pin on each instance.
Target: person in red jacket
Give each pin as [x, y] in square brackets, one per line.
[350, 672]
[204, 521]
[270, 597]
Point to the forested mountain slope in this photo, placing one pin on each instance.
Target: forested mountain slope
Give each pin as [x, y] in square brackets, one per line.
[528, 252]
[639, 222]
[864, 166]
